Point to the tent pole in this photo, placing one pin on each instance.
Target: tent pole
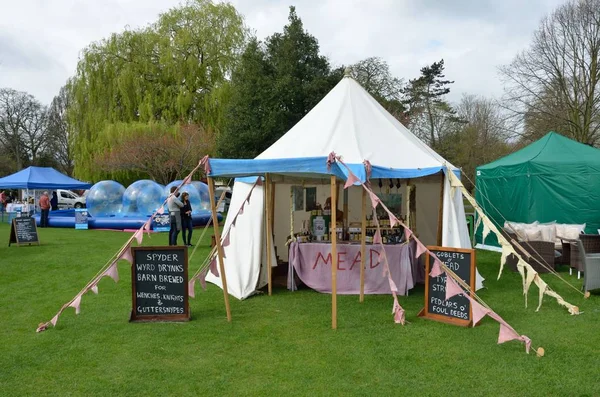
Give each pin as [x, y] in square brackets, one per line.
[441, 211]
[362, 245]
[333, 253]
[269, 203]
[215, 219]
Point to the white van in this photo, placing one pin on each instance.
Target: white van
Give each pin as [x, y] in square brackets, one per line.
[68, 199]
[224, 206]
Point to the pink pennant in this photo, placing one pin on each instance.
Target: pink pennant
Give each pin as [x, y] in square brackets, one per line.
[206, 163]
[76, 304]
[436, 269]
[94, 289]
[377, 237]
[368, 168]
[226, 240]
[407, 233]
[374, 199]
[191, 285]
[213, 267]
[479, 311]
[507, 333]
[42, 327]
[527, 342]
[126, 255]
[138, 235]
[202, 276]
[421, 249]
[234, 221]
[160, 210]
[147, 224]
[112, 272]
[55, 320]
[393, 220]
[392, 285]
[452, 288]
[398, 312]
[241, 211]
[187, 180]
[330, 160]
[352, 179]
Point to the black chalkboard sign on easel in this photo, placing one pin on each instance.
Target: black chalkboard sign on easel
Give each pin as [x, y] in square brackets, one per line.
[456, 310]
[159, 284]
[23, 230]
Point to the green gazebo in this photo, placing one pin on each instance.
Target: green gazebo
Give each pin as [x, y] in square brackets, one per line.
[553, 179]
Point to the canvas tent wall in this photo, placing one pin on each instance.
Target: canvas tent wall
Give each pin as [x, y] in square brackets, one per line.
[553, 179]
[351, 123]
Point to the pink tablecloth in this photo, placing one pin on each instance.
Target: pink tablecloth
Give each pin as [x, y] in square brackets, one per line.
[312, 263]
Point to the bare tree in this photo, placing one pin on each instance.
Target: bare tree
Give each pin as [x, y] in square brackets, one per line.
[13, 113]
[59, 133]
[556, 81]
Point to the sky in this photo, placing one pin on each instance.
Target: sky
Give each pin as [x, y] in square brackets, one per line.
[41, 40]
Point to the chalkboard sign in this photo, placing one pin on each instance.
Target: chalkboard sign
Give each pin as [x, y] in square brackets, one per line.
[456, 310]
[81, 218]
[23, 230]
[159, 284]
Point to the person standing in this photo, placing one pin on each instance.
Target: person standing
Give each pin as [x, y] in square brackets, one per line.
[174, 206]
[2, 201]
[44, 204]
[186, 219]
[54, 201]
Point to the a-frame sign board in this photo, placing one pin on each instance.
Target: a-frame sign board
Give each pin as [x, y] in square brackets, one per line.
[23, 230]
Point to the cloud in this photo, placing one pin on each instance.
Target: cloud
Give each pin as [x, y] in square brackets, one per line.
[40, 40]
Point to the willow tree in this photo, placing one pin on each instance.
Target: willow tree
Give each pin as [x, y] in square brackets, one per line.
[173, 71]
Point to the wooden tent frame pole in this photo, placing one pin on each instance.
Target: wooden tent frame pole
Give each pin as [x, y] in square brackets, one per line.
[215, 219]
[333, 252]
[441, 211]
[269, 209]
[363, 245]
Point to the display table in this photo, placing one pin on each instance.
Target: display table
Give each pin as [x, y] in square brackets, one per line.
[312, 263]
[24, 208]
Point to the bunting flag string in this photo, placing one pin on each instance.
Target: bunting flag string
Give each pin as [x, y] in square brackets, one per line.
[453, 282]
[110, 268]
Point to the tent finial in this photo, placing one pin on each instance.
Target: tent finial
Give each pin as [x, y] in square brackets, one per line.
[348, 71]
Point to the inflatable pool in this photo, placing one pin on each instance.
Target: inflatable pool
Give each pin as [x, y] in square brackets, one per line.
[66, 219]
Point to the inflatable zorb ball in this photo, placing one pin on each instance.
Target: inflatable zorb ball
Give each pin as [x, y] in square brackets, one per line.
[105, 199]
[142, 198]
[202, 189]
[195, 199]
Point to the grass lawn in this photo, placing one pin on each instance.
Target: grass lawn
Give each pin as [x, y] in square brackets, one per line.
[275, 345]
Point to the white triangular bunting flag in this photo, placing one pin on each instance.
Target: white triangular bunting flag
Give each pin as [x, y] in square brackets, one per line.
[76, 304]
[55, 320]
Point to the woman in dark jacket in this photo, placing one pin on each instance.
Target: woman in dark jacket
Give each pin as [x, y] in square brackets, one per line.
[54, 201]
[186, 219]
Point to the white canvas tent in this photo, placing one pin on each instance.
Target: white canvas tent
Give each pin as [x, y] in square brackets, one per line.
[351, 123]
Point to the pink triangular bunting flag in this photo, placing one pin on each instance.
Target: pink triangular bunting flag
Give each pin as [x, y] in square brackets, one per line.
[527, 342]
[94, 289]
[377, 237]
[259, 181]
[187, 180]
[374, 199]
[126, 255]
[436, 269]
[138, 235]
[507, 334]
[234, 221]
[191, 285]
[226, 240]
[392, 285]
[161, 210]
[452, 288]
[420, 249]
[479, 311]
[147, 224]
[202, 276]
[213, 267]
[112, 272]
[55, 320]
[407, 233]
[241, 211]
[352, 179]
[393, 220]
[76, 304]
